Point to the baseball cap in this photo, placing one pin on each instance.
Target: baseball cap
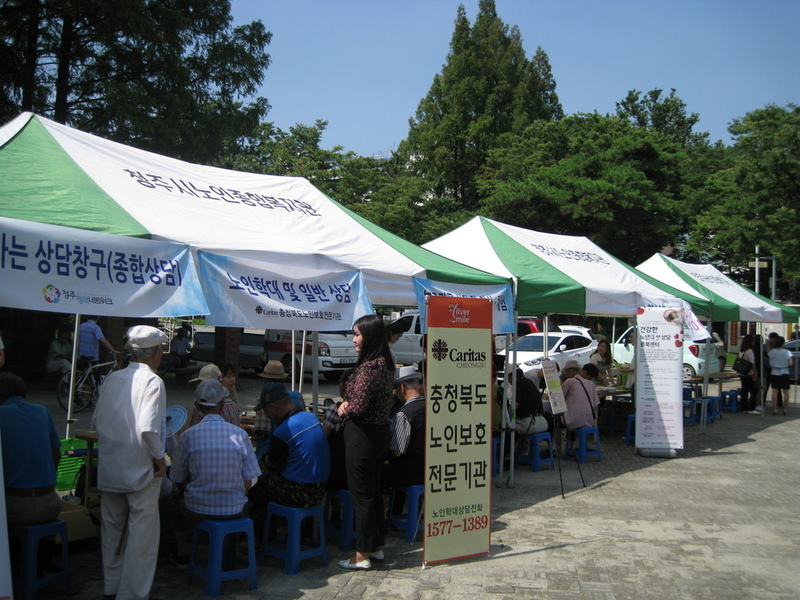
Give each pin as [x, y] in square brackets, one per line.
[210, 393]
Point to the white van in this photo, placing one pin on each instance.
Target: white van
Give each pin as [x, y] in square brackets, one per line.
[408, 349]
[336, 351]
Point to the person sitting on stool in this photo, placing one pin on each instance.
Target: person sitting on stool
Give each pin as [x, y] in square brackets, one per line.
[295, 472]
[406, 464]
[218, 461]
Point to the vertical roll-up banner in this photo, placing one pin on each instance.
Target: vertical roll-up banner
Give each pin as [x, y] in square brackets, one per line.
[458, 429]
[659, 378]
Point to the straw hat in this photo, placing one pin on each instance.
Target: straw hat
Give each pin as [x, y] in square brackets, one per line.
[274, 370]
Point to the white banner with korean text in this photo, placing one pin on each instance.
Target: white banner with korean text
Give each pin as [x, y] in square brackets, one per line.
[458, 429]
[659, 377]
[65, 270]
[502, 298]
[241, 293]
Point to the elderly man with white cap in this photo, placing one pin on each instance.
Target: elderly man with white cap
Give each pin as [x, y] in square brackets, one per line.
[130, 422]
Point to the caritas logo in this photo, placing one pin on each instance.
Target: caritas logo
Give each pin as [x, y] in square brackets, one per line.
[439, 350]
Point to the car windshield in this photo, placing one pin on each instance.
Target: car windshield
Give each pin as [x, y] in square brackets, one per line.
[533, 343]
[793, 345]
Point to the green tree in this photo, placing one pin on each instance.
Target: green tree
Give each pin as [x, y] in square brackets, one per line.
[486, 89]
[169, 76]
[664, 114]
[756, 200]
[601, 177]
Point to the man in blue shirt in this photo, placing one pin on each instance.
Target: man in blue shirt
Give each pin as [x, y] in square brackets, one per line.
[295, 471]
[90, 336]
[31, 452]
[217, 460]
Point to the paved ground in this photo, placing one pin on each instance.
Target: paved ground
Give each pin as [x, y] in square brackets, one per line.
[720, 521]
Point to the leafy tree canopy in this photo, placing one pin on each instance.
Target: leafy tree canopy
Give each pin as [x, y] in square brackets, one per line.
[600, 177]
[171, 76]
[755, 199]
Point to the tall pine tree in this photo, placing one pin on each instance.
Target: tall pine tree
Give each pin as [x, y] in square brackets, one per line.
[487, 89]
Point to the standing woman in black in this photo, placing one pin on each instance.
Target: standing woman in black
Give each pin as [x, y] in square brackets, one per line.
[366, 436]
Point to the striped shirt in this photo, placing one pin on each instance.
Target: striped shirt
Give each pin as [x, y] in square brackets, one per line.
[216, 458]
[401, 429]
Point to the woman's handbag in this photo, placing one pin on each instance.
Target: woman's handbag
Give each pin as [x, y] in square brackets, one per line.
[742, 366]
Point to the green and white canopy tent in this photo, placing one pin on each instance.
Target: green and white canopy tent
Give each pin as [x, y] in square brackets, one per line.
[728, 301]
[278, 231]
[556, 273]
[93, 226]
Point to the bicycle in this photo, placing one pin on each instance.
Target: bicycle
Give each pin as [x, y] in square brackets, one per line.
[87, 383]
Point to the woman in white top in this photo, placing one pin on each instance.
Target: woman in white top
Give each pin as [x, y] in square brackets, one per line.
[779, 361]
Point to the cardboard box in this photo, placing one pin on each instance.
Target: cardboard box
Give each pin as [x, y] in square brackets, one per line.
[80, 524]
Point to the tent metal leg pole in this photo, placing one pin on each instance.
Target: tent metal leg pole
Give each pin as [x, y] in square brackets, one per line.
[75, 344]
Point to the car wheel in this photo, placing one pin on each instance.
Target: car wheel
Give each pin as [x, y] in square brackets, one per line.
[688, 371]
[287, 366]
[722, 363]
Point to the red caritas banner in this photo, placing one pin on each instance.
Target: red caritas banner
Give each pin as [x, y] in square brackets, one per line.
[458, 429]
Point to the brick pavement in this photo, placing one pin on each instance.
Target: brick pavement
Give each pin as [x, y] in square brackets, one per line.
[720, 521]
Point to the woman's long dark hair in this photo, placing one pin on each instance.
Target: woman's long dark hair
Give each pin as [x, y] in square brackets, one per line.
[607, 358]
[747, 343]
[374, 342]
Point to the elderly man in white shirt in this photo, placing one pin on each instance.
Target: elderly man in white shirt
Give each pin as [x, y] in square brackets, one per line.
[130, 422]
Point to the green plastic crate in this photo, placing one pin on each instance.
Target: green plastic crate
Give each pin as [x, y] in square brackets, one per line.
[69, 466]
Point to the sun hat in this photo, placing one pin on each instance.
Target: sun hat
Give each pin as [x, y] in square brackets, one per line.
[404, 374]
[210, 393]
[571, 364]
[274, 370]
[145, 336]
[208, 372]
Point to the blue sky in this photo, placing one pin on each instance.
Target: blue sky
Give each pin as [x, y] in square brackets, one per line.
[364, 65]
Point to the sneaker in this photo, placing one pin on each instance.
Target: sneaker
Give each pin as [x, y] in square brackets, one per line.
[362, 565]
[378, 556]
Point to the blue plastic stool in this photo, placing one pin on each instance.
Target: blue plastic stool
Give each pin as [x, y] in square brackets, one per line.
[712, 408]
[715, 406]
[292, 553]
[411, 520]
[212, 571]
[688, 393]
[30, 536]
[495, 456]
[689, 415]
[730, 401]
[533, 457]
[630, 429]
[345, 529]
[583, 452]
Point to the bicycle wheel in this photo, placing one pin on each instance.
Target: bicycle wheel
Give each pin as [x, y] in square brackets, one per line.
[83, 392]
[62, 391]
